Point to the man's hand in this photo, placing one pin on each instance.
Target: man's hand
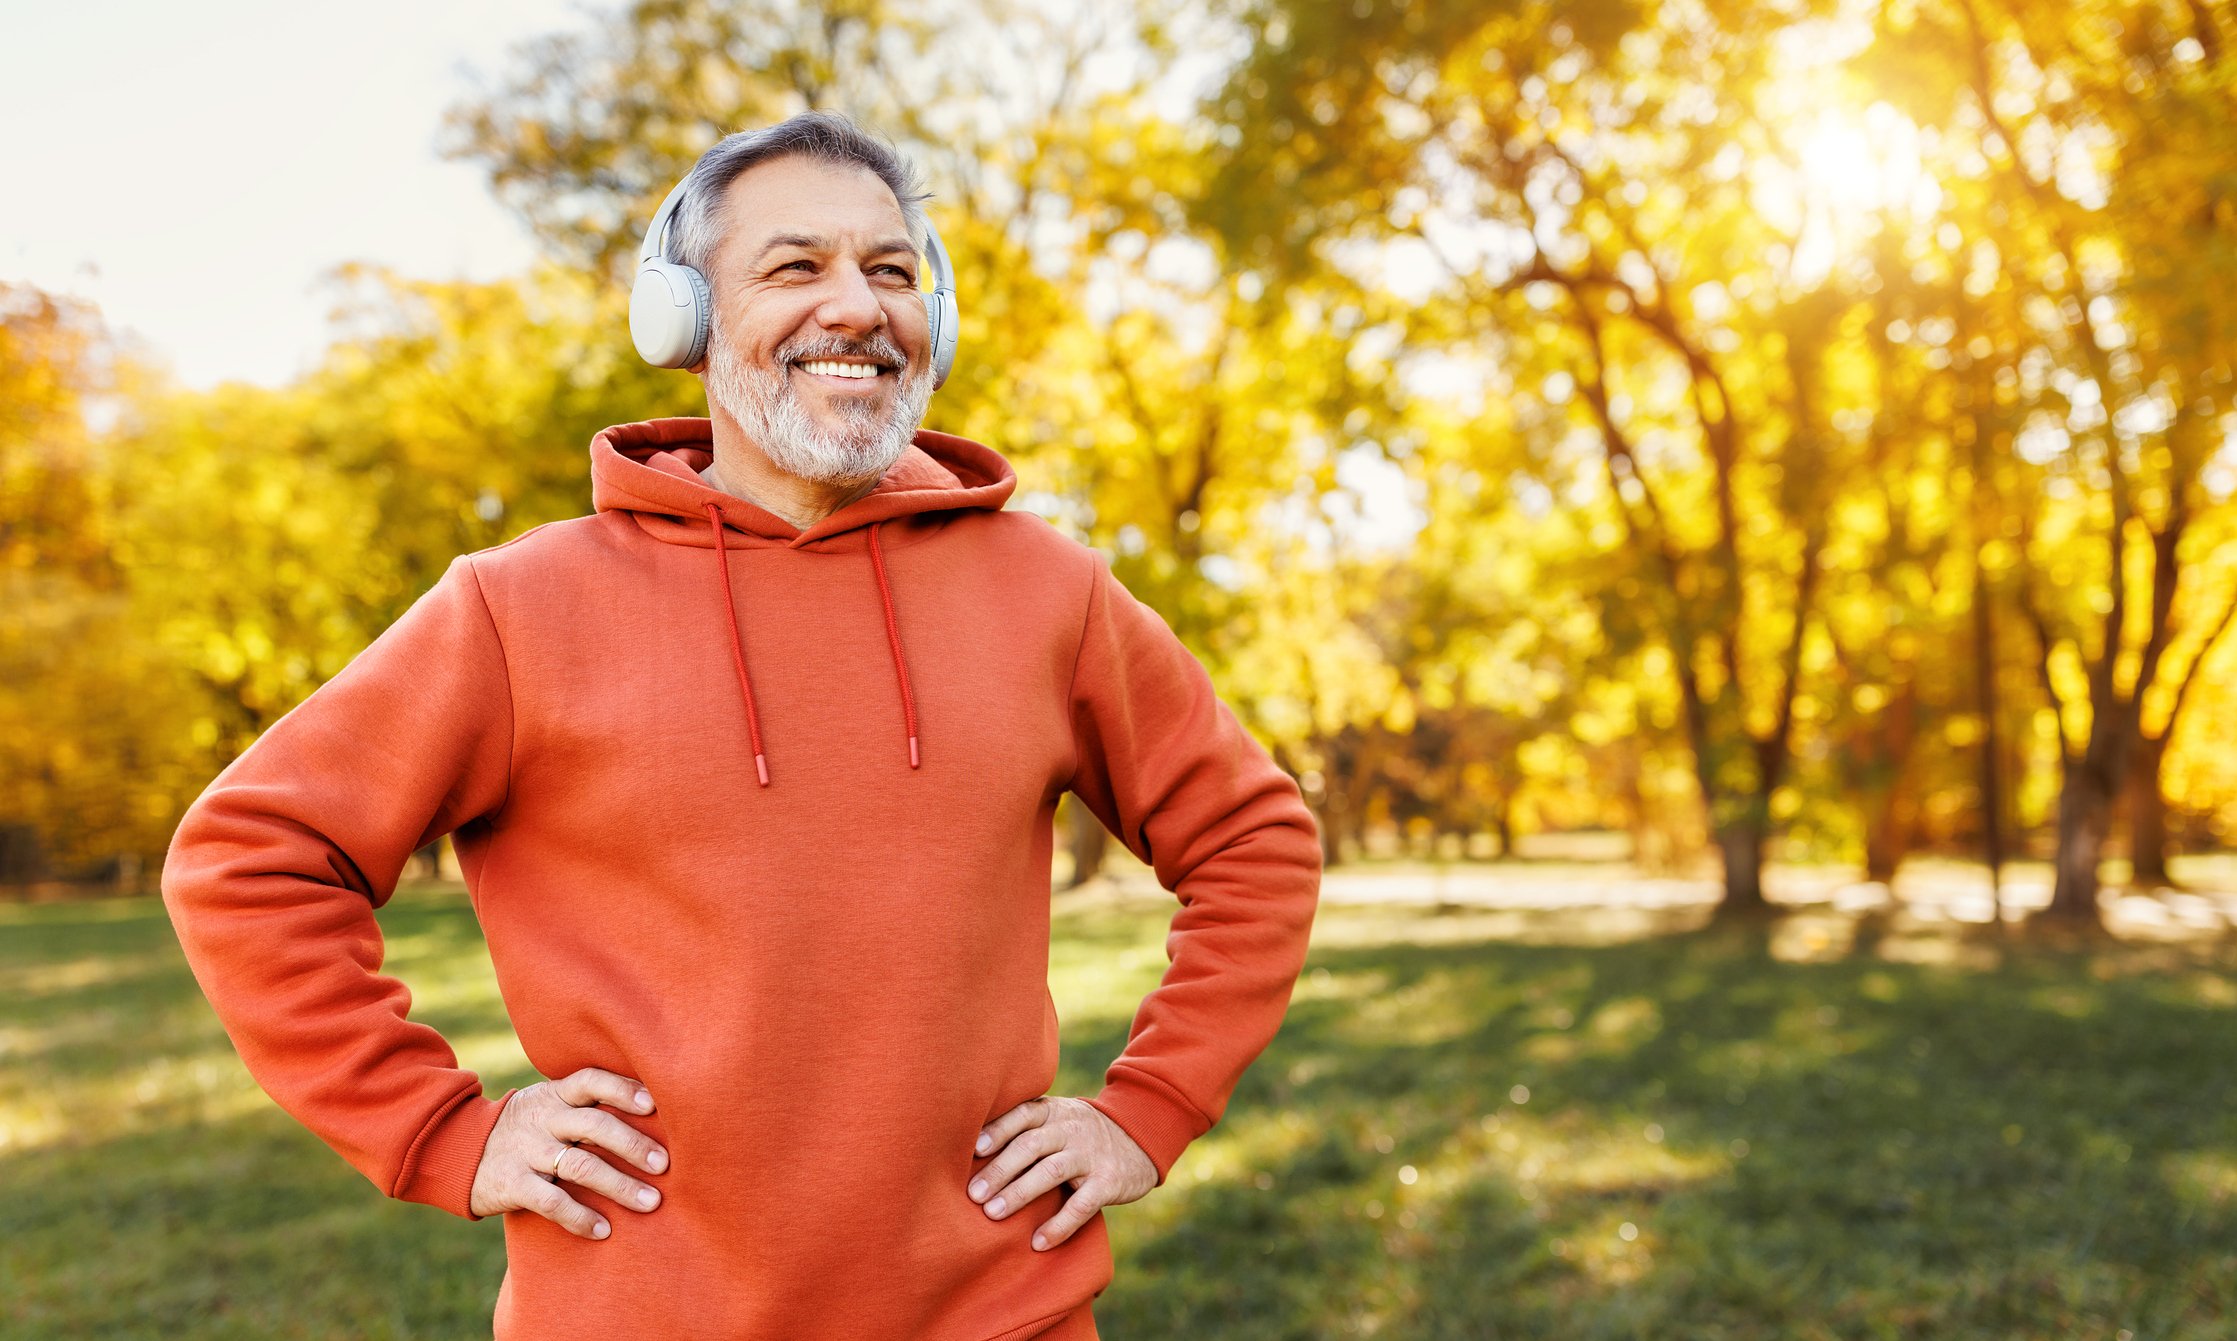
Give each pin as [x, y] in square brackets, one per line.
[541, 1124]
[1054, 1140]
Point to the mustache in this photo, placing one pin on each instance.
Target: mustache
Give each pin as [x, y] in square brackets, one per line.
[877, 348]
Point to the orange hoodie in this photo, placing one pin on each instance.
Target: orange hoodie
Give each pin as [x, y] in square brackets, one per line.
[761, 817]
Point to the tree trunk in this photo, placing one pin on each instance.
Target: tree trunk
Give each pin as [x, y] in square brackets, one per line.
[1741, 845]
[1334, 816]
[1889, 811]
[2085, 813]
[2147, 816]
[1887, 837]
[1354, 764]
[2093, 781]
[1087, 840]
[22, 854]
[1986, 702]
[1646, 851]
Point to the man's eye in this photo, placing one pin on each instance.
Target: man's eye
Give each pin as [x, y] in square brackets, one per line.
[806, 265]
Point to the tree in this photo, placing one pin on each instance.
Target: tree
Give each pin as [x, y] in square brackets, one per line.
[2101, 131]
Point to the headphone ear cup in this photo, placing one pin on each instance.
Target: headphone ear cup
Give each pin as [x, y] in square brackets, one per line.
[946, 325]
[703, 313]
[669, 313]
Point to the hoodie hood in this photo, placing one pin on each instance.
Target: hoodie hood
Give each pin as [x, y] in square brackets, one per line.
[650, 470]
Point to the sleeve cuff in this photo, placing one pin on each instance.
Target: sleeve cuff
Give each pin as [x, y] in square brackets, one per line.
[1153, 1113]
[440, 1167]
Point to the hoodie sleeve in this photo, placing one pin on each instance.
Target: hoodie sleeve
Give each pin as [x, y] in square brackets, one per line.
[1168, 769]
[274, 874]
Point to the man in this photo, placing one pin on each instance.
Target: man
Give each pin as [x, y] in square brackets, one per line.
[751, 773]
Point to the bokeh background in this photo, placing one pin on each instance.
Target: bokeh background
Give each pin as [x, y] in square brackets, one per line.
[1725, 508]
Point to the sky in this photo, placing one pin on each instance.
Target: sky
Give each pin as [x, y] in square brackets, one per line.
[195, 168]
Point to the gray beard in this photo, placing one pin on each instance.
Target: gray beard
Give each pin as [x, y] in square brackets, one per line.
[762, 401]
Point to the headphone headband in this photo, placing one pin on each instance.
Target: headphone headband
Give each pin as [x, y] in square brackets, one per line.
[671, 309]
[656, 231]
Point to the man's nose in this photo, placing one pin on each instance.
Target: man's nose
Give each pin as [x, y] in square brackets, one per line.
[849, 304]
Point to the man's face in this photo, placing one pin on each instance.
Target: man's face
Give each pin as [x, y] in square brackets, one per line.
[819, 348]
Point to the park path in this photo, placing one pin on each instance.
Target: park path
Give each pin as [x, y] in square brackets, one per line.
[1608, 900]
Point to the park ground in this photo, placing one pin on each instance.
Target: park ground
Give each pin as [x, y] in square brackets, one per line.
[1516, 1100]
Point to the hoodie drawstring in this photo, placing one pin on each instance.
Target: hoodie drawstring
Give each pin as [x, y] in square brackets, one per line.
[893, 637]
[737, 644]
[738, 647]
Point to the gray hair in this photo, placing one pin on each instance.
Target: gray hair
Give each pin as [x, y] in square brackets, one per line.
[829, 137]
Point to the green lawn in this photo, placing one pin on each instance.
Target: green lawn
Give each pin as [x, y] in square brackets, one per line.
[1454, 1137]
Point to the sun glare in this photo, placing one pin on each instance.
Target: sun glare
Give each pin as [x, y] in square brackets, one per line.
[1847, 164]
[1851, 175]
[1862, 165]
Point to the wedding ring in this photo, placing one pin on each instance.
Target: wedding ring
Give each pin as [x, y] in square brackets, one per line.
[553, 1176]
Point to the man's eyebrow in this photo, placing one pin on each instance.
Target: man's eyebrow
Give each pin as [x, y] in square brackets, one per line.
[804, 240]
[811, 242]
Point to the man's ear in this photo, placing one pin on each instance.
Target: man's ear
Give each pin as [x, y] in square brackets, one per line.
[698, 369]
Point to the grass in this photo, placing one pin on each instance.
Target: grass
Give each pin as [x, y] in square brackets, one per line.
[1453, 1137]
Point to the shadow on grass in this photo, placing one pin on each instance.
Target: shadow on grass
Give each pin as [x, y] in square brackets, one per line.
[1452, 1137]
[1689, 1137]
[151, 1191]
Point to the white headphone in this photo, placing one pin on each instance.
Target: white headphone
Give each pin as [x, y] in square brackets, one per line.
[670, 308]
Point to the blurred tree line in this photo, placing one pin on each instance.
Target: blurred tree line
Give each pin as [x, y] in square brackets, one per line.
[1797, 428]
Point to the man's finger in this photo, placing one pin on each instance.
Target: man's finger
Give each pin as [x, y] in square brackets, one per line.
[547, 1200]
[578, 1165]
[603, 1128]
[1031, 1113]
[1079, 1208]
[558, 1169]
[591, 1086]
[1016, 1157]
[1059, 1166]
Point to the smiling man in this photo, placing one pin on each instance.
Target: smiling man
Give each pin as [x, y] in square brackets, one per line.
[751, 773]
[811, 395]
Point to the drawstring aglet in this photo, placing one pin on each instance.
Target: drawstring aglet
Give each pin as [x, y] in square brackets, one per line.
[912, 751]
[761, 766]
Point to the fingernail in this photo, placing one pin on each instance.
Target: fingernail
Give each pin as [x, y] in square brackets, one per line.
[984, 1141]
[658, 1159]
[978, 1189]
[602, 1230]
[995, 1205]
[644, 1100]
[646, 1197]
[1039, 1241]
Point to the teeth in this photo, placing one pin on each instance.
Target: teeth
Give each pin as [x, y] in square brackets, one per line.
[834, 369]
